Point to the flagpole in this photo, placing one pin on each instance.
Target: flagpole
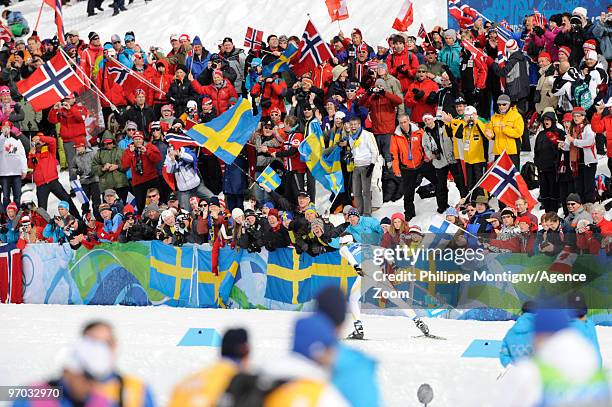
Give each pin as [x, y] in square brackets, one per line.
[484, 176]
[98, 91]
[39, 14]
[137, 75]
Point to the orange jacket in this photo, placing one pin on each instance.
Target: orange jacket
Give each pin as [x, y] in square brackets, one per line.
[407, 152]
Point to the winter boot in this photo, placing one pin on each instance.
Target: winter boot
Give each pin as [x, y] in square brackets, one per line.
[421, 325]
[358, 269]
[358, 332]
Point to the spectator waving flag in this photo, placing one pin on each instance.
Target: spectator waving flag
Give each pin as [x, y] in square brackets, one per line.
[422, 32]
[117, 72]
[405, 17]
[253, 39]
[226, 135]
[337, 9]
[313, 50]
[539, 19]
[56, 5]
[5, 33]
[476, 52]
[505, 182]
[269, 178]
[178, 140]
[50, 83]
[325, 169]
[464, 14]
[281, 64]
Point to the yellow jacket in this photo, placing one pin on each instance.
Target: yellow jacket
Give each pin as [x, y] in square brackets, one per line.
[472, 146]
[204, 388]
[507, 128]
[134, 391]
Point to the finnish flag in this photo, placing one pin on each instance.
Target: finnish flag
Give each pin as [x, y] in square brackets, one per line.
[442, 232]
[78, 190]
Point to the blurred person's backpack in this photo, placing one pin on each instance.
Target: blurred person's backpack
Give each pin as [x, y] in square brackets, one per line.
[249, 390]
[529, 172]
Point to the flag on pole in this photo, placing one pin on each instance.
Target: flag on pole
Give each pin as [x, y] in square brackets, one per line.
[464, 14]
[226, 135]
[56, 5]
[77, 188]
[5, 33]
[269, 178]
[405, 17]
[337, 9]
[539, 19]
[281, 64]
[313, 50]
[476, 52]
[50, 83]
[422, 32]
[253, 39]
[506, 183]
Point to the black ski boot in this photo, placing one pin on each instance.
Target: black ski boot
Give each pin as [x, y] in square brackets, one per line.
[358, 332]
[358, 269]
[422, 326]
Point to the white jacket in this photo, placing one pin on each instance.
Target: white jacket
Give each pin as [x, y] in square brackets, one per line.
[13, 160]
[567, 351]
[295, 366]
[586, 143]
[366, 151]
[182, 168]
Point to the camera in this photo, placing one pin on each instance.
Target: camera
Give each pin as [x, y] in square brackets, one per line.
[139, 167]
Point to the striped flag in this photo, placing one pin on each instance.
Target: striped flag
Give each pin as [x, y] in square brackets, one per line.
[476, 52]
[56, 5]
[405, 17]
[539, 19]
[178, 140]
[5, 33]
[253, 39]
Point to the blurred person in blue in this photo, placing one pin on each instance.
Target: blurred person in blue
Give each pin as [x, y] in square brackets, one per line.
[517, 342]
[582, 323]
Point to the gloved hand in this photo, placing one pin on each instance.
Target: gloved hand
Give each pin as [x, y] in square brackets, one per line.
[370, 169]
[539, 31]
[418, 94]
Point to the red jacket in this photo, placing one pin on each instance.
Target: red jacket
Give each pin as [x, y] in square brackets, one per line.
[382, 111]
[150, 159]
[72, 122]
[88, 59]
[275, 91]
[403, 66]
[220, 96]
[161, 81]
[603, 125]
[45, 168]
[481, 71]
[322, 76]
[420, 107]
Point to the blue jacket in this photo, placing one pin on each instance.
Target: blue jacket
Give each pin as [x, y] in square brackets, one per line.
[55, 233]
[451, 56]
[11, 235]
[234, 180]
[198, 64]
[111, 225]
[15, 17]
[518, 340]
[587, 329]
[354, 375]
[367, 231]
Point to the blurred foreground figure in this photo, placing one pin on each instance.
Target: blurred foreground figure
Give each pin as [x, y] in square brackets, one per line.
[563, 371]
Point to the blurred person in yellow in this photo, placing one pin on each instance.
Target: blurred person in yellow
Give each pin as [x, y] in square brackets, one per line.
[123, 390]
[206, 387]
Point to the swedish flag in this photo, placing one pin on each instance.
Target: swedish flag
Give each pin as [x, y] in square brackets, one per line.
[171, 270]
[214, 290]
[296, 279]
[324, 168]
[281, 64]
[269, 178]
[226, 135]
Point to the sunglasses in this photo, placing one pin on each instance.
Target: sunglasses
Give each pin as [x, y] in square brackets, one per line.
[351, 90]
[572, 203]
[267, 127]
[503, 104]
[116, 42]
[131, 129]
[152, 196]
[274, 114]
[421, 71]
[203, 205]
[155, 129]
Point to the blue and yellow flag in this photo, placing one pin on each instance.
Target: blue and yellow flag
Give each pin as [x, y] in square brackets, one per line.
[296, 279]
[326, 169]
[214, 290]
[171, 270]
[282, 63]
[269, 178]
[226, 135]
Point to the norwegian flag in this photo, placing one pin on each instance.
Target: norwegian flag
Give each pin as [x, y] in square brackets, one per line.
[337, 9]
[50, 83]
[476, 52]
[506, 183]
[464, 14]
[180, 140]
[117, 72]
[422, 32]
[539, 19]
[253, 39]
[405, 17]
[313, 50]
[56, 5]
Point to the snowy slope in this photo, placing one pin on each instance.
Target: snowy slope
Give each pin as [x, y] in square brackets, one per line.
[213, 20]
[33, 335]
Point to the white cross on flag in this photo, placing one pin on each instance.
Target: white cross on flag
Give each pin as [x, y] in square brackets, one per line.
[313, 50]
[506, 183]
[253, 38]
[50, 83]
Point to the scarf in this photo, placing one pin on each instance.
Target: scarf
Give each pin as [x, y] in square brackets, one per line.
[575, 151]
